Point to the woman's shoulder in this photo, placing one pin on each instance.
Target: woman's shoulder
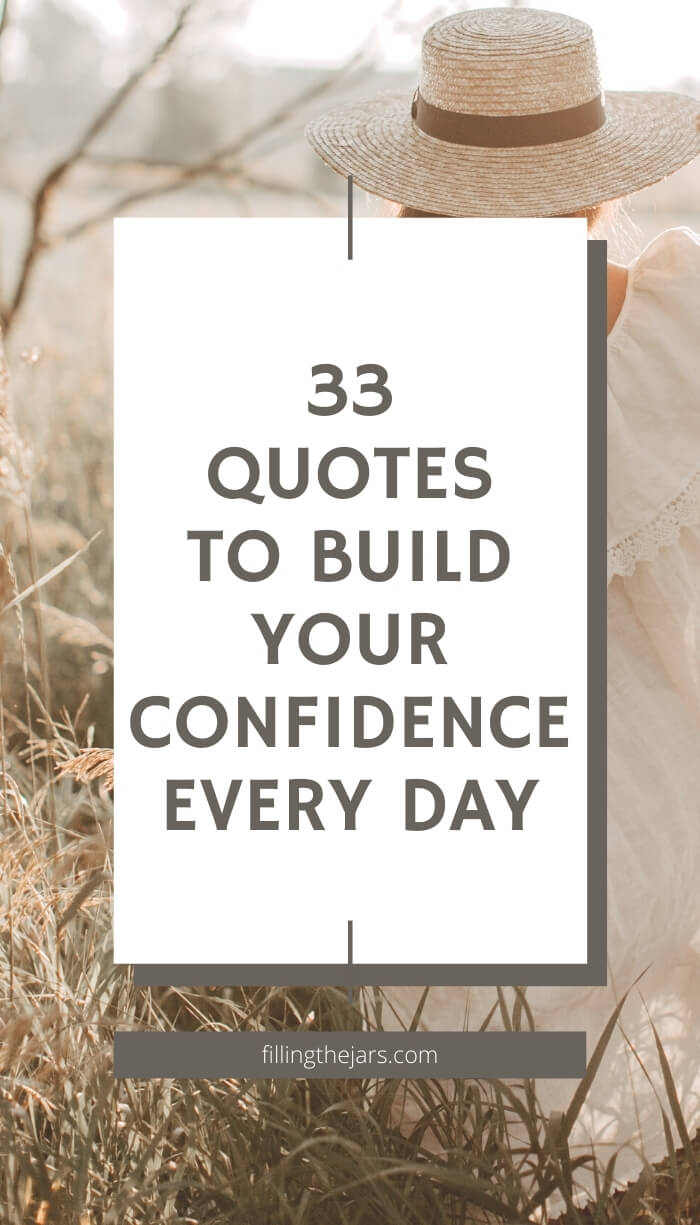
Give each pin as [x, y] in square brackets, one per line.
[667, 268]
[653, 384]
[661, 309]
[676, 249]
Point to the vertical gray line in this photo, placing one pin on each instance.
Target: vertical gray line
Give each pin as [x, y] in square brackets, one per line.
[349, 216]
[350, 958]
[597, 611]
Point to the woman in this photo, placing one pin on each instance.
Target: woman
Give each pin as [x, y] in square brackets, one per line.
[510, 120]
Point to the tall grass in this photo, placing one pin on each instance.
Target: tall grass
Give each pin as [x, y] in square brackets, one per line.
[79, 1148]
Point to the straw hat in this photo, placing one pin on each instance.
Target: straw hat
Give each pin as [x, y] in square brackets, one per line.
[509, 119]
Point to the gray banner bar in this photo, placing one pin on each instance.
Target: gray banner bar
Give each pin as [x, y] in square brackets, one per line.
[349, 1055]
[597, 444]
[359, 975]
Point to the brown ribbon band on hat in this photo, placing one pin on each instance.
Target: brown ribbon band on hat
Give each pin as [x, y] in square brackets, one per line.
[507, 131]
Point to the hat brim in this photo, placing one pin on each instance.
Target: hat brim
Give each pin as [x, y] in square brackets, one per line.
[645, 137]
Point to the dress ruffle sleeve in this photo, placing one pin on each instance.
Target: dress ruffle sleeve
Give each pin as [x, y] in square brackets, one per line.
[653, 737]
[654, 403]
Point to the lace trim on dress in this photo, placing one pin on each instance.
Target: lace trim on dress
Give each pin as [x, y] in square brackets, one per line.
[664, 529]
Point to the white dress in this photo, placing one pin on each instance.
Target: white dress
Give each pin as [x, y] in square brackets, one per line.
[653, 733]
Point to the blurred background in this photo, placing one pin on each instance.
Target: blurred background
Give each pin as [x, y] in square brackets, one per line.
[119, 107]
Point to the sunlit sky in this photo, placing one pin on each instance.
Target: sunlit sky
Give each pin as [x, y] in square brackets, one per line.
[640, 44]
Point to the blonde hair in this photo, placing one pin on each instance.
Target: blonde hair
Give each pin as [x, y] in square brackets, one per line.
[594, 214]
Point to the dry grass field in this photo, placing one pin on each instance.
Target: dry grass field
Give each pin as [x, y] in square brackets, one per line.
[78, 1147]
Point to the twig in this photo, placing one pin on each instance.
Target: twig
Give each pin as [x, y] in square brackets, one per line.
[248, 180]
[214, 165]
[45, 578]
[42, 197]
[220, 163]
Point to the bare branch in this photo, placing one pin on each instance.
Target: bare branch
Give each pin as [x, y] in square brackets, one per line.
[134, 161]
[285, 112]
[223, 162]
[292, 189]
[233, 177]
[185, 175]
[111, 107]
[42, 196]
